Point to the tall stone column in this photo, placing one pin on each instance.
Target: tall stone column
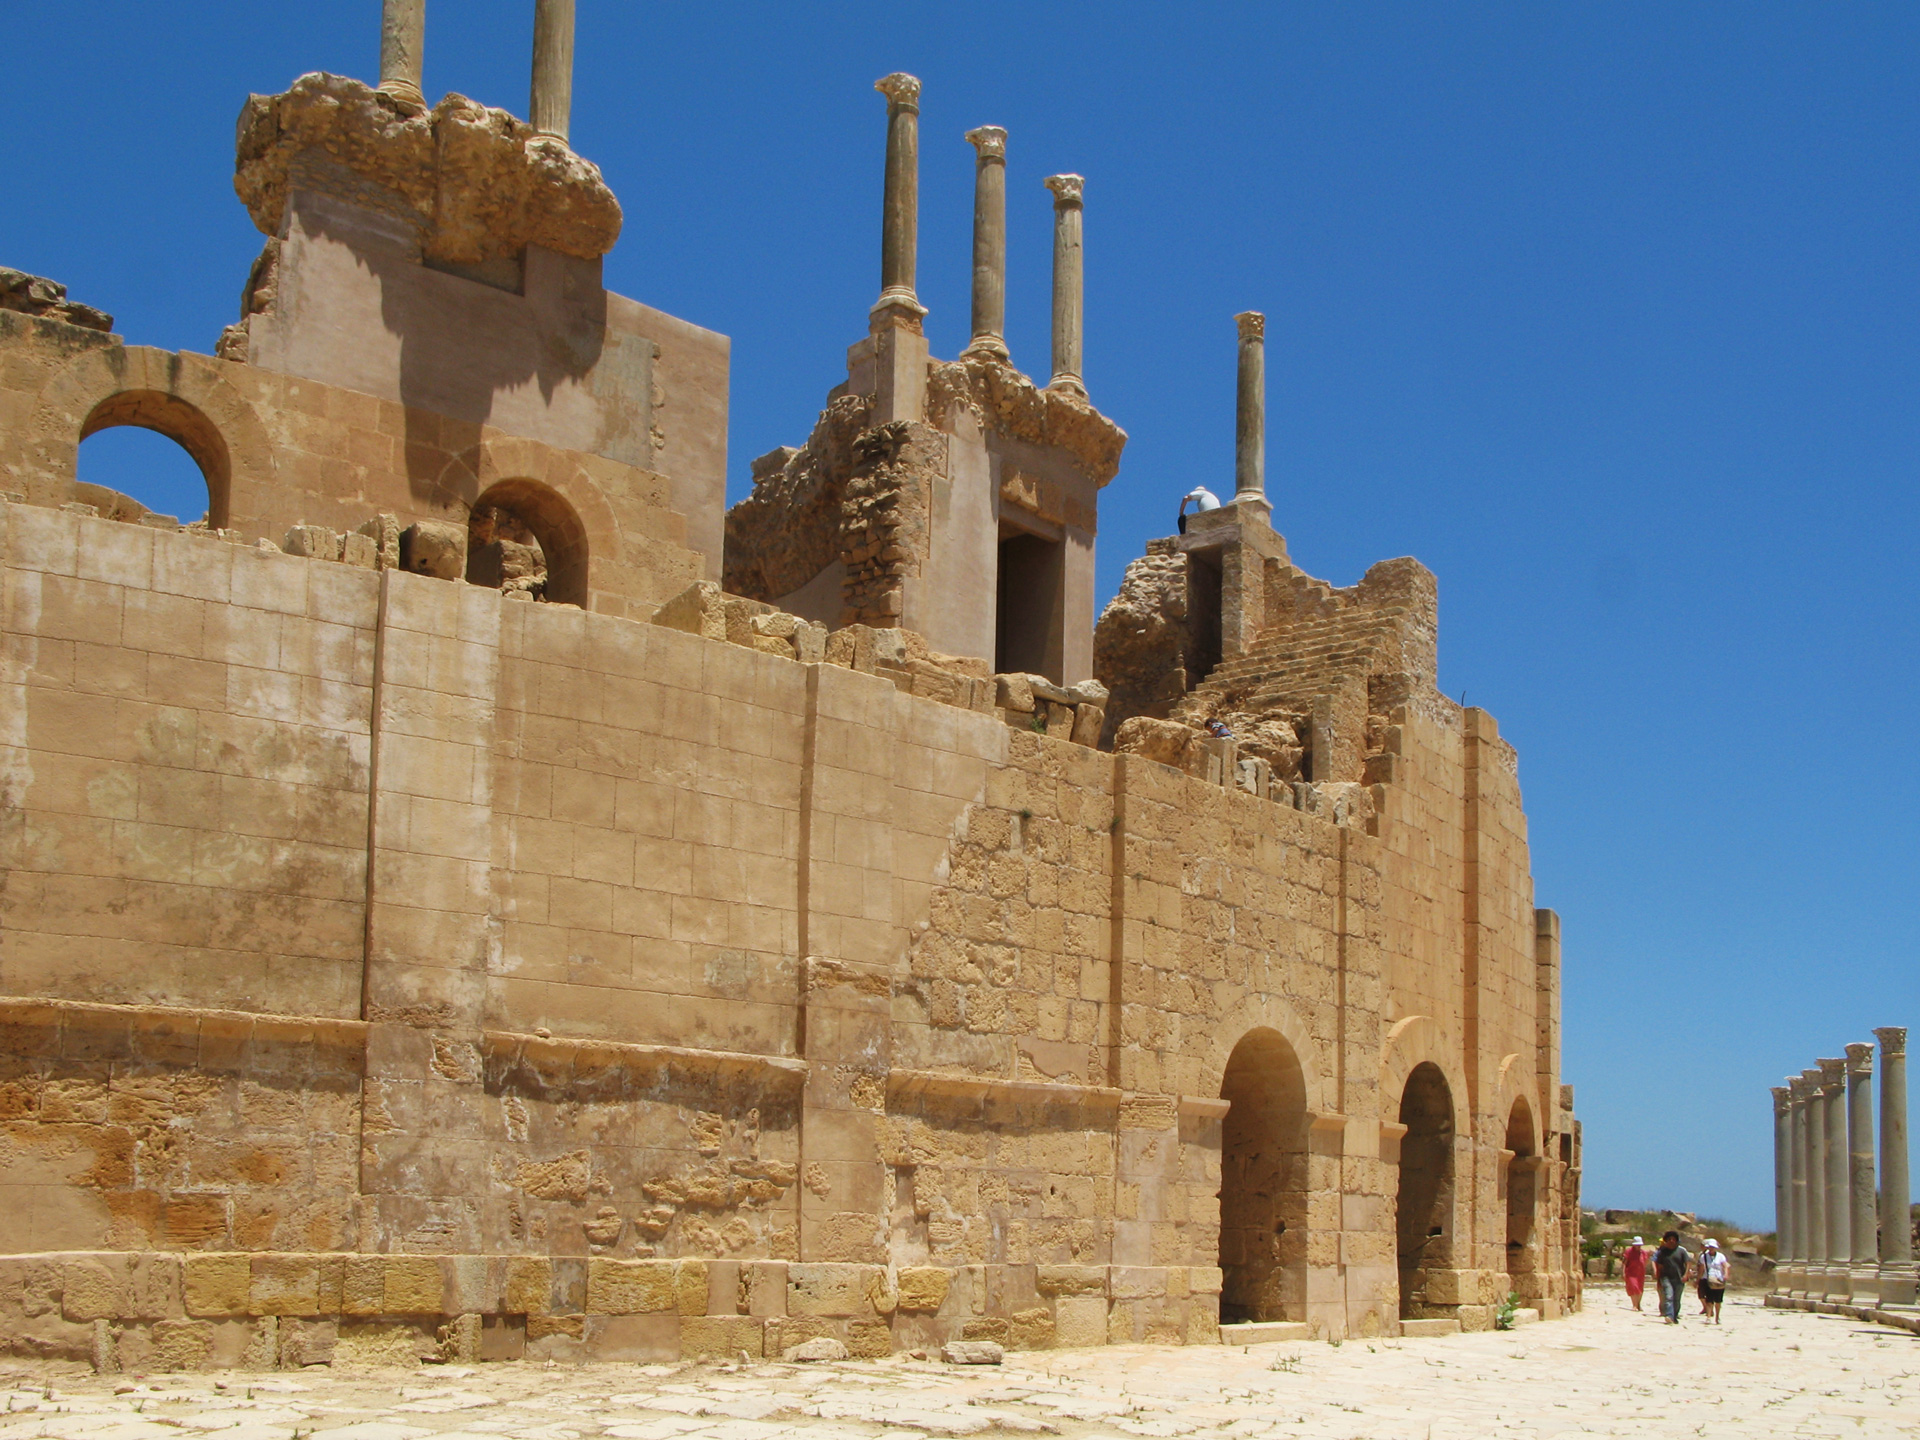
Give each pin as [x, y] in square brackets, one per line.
[1833, 1098]
[403, 34]
[1782, 1188]
[1897, 1277]
[1250, 409]
[900, 204]
[1069, 276]
[1816, 1184]
[552, 106]
[1802, 1228]
[989, 242]
[1863, 1267]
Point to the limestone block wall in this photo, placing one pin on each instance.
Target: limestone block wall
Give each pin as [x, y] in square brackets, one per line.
[648, 994]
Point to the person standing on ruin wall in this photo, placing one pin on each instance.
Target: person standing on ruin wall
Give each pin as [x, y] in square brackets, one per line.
[1633, 1269]
[1670, 1265]
[1201, 499]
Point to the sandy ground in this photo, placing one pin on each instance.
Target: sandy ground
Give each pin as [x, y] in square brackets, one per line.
[1606, 1371]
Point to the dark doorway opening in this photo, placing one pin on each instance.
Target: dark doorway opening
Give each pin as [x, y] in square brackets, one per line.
[1030, 597]
[1522, 1188]
[1203, 615]
[1424, 1205]
[1263, 1182]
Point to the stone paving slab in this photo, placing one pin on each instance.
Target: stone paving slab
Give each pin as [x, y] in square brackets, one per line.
[1606, 1371]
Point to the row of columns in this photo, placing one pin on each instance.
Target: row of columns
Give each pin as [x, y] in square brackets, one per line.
[403, 30]
[1839, 1236]
[900, 229]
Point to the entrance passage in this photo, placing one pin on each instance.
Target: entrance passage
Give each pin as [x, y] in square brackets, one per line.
[1204, 642]
[1263, 1182]
[1522, 1189]
[1030, 605]
[1424, 1207]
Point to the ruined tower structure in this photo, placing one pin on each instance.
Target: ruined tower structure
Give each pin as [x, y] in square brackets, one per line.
[472, 895]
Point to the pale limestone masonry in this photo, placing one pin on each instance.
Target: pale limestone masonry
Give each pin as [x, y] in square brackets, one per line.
[437, 919]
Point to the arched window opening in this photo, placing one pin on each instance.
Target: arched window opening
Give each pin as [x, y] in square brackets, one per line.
[523, 536]
[1522, 1189]
[1263, 1182]
[146, 452]
[1424, 1204]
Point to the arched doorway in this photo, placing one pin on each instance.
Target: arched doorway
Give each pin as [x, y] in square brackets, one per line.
[181, 423]
[1523, 1168]
[1424, 1204]
[1263, 1182]
[524, 535]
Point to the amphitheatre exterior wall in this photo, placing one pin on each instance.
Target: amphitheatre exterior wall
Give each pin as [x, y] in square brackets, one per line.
[388, 958]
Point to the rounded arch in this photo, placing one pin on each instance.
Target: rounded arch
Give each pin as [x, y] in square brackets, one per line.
[1264, 1180]
[1268, 1012]
[185, 397]
[1416, 1040]
[1521, 1184]
[184, 424]
[1424, 1212]
[554, 523]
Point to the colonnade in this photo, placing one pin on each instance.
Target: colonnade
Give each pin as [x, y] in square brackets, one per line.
[1839, 1237]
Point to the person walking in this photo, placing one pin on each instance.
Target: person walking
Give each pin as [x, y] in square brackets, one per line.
[1715, 1270]
[1670, 1265]
[1633, 1269]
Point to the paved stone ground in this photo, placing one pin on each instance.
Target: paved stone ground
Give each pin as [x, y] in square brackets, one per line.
[1606, 1371]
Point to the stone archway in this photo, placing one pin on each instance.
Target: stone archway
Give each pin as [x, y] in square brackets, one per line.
[1423, 1208]
[1263, 1182]
[510, 511]
[1522, 1171]
[181, 422]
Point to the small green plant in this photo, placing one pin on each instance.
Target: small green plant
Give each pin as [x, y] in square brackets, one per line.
[1286, 1364]
[1503, 1317]
[1336, 1342]
[1038, 725]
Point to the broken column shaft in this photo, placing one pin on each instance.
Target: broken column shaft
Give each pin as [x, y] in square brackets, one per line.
[551, 109]
[1250, 411]
[900, 206]
[989, 242]
[403, 31]
[1069, 277]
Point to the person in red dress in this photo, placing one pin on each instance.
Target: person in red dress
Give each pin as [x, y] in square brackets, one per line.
[1633, 1266]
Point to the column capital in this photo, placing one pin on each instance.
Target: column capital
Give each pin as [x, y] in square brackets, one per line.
[1892, 1038]
[990, 141]
[1253, 325]
[1833, 1075]
[1859, 1058]
[1782, 1099]
[902, 91]
[1067, 190]
[1799, 1088]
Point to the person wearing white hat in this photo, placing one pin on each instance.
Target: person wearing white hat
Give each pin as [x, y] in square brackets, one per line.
[1633, 1269]
[1715, 1269]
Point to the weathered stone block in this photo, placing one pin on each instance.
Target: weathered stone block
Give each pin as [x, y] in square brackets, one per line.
[434, 547]
[723, 1336]
[411, 1285]
[1072, 1280]
[218, 1285]
[284, 1285]
[632, 1287]
[690, 1287]
[93, 1290]
[1080, 1320]
[528, 1288]
[924, 1287]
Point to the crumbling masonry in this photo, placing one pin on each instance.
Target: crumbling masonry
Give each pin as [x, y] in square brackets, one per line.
[471, 895]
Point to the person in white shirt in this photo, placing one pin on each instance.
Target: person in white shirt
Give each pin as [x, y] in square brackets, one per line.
[1715, 1270]
[1201, 499]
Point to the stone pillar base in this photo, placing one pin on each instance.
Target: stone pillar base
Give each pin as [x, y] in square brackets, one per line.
[1898, 1283]
[1863, 1284]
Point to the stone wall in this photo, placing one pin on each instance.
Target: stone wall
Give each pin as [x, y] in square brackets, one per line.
[395, 965]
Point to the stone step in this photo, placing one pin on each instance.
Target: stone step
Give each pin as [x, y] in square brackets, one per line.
[1525, 1317]
[1412, 1329]
[1262, 1332]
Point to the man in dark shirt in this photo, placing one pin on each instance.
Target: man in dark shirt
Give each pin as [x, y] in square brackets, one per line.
[1670, 1264]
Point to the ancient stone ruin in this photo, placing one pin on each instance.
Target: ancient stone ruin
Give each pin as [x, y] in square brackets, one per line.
[471, 895]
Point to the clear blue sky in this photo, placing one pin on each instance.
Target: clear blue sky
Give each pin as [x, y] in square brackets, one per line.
[1608, 313]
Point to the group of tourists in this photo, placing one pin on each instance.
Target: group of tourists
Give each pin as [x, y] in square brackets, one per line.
[1673, 1266]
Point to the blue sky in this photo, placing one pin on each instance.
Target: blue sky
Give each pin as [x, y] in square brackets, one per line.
[1608, 313]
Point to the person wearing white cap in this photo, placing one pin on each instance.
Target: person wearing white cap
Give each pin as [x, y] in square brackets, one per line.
[1715, 1270]
[1633, 1269]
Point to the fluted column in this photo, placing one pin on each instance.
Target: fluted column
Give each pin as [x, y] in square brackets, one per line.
[1802, 1199]
[1069, 277]
[1833, 1098]
[900, 204]
[989, 242]
[1897, 1278]
[1862, 1224]
[403, 33]
[1250, 409]
[1782, 1187]
[1816, 1184]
